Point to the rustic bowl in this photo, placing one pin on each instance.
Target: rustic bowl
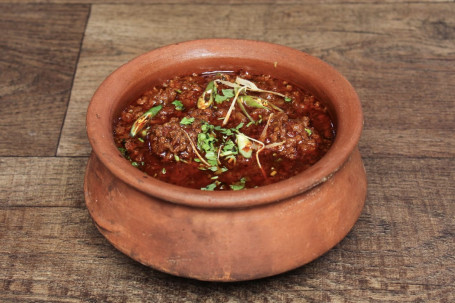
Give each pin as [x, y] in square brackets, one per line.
[225, 236]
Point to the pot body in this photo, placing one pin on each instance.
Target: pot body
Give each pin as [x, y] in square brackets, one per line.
[225, 235]
[226, 244]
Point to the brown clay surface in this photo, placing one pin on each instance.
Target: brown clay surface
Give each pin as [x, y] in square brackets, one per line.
[226, 253]
[225, 244]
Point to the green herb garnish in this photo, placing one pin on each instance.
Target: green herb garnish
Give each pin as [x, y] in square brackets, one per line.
[139, 124]
[211, 186]
[229, 151]
[178, 105]
[187, 121]
[225, 131]
[245, 146]
[238, 185]
[211, 159]
[206, 99]
[227, 94]
[206, 142]
[287, 99]
[260, 119]
[122, 150]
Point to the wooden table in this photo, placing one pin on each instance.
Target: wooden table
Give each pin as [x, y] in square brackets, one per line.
[400, 57]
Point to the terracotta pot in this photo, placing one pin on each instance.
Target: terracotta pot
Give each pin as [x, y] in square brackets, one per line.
[225, 236]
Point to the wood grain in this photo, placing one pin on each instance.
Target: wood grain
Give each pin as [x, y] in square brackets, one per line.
[400, 250]
[393, 142]
[211, 2]
[395, 55]
[398, 55]
[39, 49]
[42, 182]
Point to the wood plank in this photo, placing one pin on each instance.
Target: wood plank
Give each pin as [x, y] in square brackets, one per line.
[385, 50]
[42, 182]
[388, 141]
[39, 49]
[400, 250]
[212, 2]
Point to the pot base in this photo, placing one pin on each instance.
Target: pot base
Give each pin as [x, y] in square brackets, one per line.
[226, 244]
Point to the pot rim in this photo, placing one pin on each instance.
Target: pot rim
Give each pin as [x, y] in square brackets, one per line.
[342, 95]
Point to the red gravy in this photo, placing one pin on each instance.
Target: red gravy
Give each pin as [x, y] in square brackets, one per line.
[224, 130]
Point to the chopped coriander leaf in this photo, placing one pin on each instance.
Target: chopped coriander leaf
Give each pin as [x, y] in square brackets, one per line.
[225, 131]
[206, 142]
[187, 121]
[238, 185]
[229, 149]
[212, 160]
[140, 139]
[309, 132]
[213, 168]
[227, 94]
[163, 171]
[239, 126]
[219, 99]
[229, 145]
[210, 155]
[206, 127]
[214, 165]
[211, 186]
[287, 99]
[250, 123]
[178, 105]
[135, 164]
[122, 151]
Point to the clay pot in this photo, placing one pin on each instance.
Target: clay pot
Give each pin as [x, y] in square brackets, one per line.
[225, 236]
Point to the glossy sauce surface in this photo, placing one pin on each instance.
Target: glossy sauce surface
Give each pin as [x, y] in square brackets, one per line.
[217, 131]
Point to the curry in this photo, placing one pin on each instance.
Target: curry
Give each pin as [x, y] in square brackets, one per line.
[224, 130]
